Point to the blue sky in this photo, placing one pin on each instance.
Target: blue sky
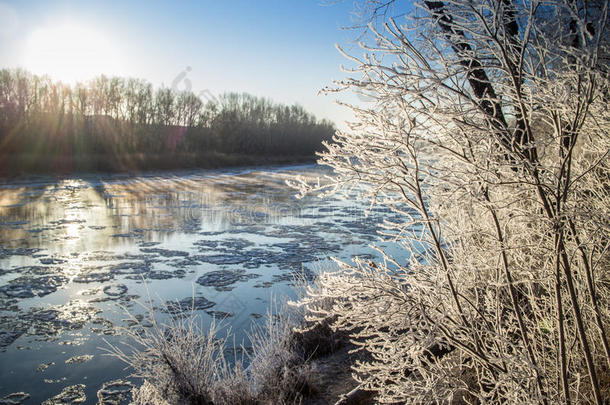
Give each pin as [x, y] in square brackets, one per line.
[282, 49]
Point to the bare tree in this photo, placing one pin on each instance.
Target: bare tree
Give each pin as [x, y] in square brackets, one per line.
[487, 131]
[102, 122]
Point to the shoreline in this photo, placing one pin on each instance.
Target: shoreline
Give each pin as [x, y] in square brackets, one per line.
[20, 166]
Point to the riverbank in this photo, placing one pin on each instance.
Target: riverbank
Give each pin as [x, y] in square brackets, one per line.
[12, 166]
[335, 379]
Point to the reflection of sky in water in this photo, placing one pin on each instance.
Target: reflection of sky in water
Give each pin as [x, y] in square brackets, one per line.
[75, 252]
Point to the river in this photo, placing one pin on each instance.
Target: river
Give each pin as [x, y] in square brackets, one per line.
[78, 254]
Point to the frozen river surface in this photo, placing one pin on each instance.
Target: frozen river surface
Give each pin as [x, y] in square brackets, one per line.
[77, 253]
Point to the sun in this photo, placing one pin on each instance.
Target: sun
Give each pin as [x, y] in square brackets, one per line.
[71, 52]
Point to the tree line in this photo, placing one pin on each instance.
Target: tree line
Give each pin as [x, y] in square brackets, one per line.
[111, 119]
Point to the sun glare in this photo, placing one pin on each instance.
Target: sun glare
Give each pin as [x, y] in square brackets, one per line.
[71, 53]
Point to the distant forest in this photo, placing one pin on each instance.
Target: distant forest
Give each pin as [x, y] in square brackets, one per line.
[115, 124]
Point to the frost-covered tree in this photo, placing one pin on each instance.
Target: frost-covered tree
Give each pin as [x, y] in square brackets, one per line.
[487, 132]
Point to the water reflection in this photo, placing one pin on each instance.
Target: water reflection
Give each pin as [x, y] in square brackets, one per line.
[66, 210]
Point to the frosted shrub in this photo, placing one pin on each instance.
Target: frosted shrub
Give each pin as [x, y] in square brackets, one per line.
[183, 362]
[180, 361]
[279, 370]
[487, 132]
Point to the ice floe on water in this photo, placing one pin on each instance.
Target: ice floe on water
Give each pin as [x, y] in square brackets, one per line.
[80, 359]
[224, 278]
[114, 392]
[188, 304]
[15, 398]
[28, 286]
[73, 394]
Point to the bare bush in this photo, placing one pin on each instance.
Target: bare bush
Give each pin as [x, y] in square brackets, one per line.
[487, 132]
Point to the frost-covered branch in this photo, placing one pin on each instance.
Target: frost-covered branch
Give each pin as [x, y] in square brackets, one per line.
[487, 133]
